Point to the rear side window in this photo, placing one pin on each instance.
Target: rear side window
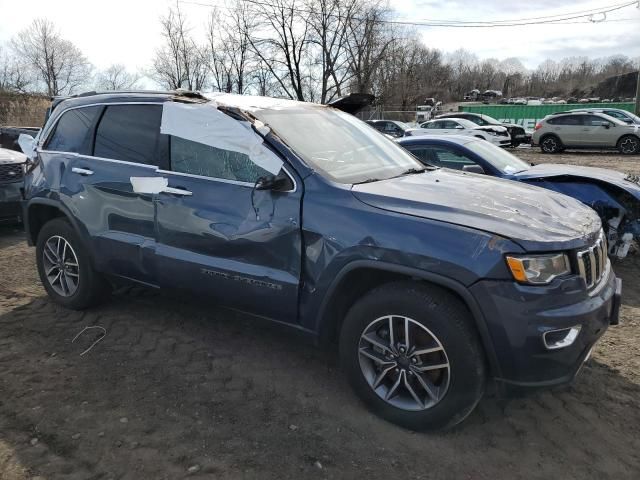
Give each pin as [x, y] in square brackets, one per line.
[129, 133]
[73, 131]
[199, 159]
[566, 120]
[595, 121]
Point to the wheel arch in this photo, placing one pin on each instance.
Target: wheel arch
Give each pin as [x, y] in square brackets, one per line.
[363, 275]
[40, 210]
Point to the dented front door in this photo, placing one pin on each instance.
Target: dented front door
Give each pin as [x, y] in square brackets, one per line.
[231, 242]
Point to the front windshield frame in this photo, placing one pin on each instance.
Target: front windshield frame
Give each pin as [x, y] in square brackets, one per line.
[503, 161]
[306, 128]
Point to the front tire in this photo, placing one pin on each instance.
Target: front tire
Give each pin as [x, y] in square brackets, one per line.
[629, 145]
[412, 355]
[65, 268]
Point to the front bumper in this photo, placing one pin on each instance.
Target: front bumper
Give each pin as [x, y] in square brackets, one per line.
[501, 141]
[518, 316]
[10, 200]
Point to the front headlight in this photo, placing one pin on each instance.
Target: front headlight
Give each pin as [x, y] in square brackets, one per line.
[538, 269]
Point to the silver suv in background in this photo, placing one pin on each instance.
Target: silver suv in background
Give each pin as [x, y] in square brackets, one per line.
[622, 115]
[585, 130]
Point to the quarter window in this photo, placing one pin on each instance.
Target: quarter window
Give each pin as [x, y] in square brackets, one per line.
[73, 131]
[204, 160]
[129, 133]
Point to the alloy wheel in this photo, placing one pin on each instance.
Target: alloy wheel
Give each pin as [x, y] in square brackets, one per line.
[550, 145]
[629, 145]
[404, 363]
[61, 266]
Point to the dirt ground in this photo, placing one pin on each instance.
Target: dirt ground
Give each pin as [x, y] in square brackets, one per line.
[177, 389]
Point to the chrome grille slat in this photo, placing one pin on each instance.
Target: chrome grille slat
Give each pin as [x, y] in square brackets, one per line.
[592, 262]
[11, 172]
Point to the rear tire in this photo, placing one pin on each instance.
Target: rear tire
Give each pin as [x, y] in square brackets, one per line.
[377, 355]
[629, 145]
[65, 268]
[551, 144]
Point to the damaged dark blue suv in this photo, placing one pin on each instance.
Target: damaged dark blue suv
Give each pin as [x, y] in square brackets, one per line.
[431, 281]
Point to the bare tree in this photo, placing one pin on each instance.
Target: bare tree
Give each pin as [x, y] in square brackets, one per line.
[15, 74]
[368, 40]
[284, 45]
[180, 63]
[116, 77]
[330, 24]
[59, 64]
[230, 54]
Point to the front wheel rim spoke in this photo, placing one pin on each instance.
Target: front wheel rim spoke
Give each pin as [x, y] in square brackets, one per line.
[411, 391]
[370, 337]
[424, 351]
[50, 270]
[427, 387]
[378, 380]
[428, 368]
[376, 357]
[394, 387]
[49, 250]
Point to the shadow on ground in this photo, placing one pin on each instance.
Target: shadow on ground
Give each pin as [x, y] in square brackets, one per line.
[175, 385]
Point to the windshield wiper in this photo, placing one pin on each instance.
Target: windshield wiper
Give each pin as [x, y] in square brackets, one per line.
[411, 171]
[368, 180]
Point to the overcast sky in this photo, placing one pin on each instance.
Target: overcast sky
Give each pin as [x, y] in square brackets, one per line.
[127, 31]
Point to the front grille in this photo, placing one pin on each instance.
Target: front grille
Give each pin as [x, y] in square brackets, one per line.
[592, 262]
[11, 172]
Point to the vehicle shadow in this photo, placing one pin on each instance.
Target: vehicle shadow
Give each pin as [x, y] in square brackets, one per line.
[11, 234]
[178, 384]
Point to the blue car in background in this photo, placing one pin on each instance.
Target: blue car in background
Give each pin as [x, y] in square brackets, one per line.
[615, 196]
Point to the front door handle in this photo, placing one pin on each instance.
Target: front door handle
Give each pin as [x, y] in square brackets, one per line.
[176, 191]
[82, 171]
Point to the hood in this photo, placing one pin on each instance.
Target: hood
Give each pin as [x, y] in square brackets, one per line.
[628, 182]
[491, 128]
[535, 218]
[11, 157]
[353, 102]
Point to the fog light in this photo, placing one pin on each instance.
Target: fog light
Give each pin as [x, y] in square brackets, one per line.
[555, 339]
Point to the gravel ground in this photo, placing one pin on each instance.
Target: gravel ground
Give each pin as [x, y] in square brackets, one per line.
[177, 390]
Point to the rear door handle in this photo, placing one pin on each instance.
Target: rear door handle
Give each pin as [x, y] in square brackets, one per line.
[82, 171]
[176, 191]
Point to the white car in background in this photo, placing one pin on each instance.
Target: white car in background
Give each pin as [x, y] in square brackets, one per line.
[495, 134]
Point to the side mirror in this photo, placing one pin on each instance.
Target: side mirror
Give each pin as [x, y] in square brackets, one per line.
[276, 183]
[473, 169]
[606, 125]
[27, 145]
[459, 127]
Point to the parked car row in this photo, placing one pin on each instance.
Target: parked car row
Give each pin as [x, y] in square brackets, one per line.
[496, 134]
[431, 281]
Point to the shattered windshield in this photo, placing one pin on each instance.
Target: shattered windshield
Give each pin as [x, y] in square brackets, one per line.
[498, 157]
[338, 145]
